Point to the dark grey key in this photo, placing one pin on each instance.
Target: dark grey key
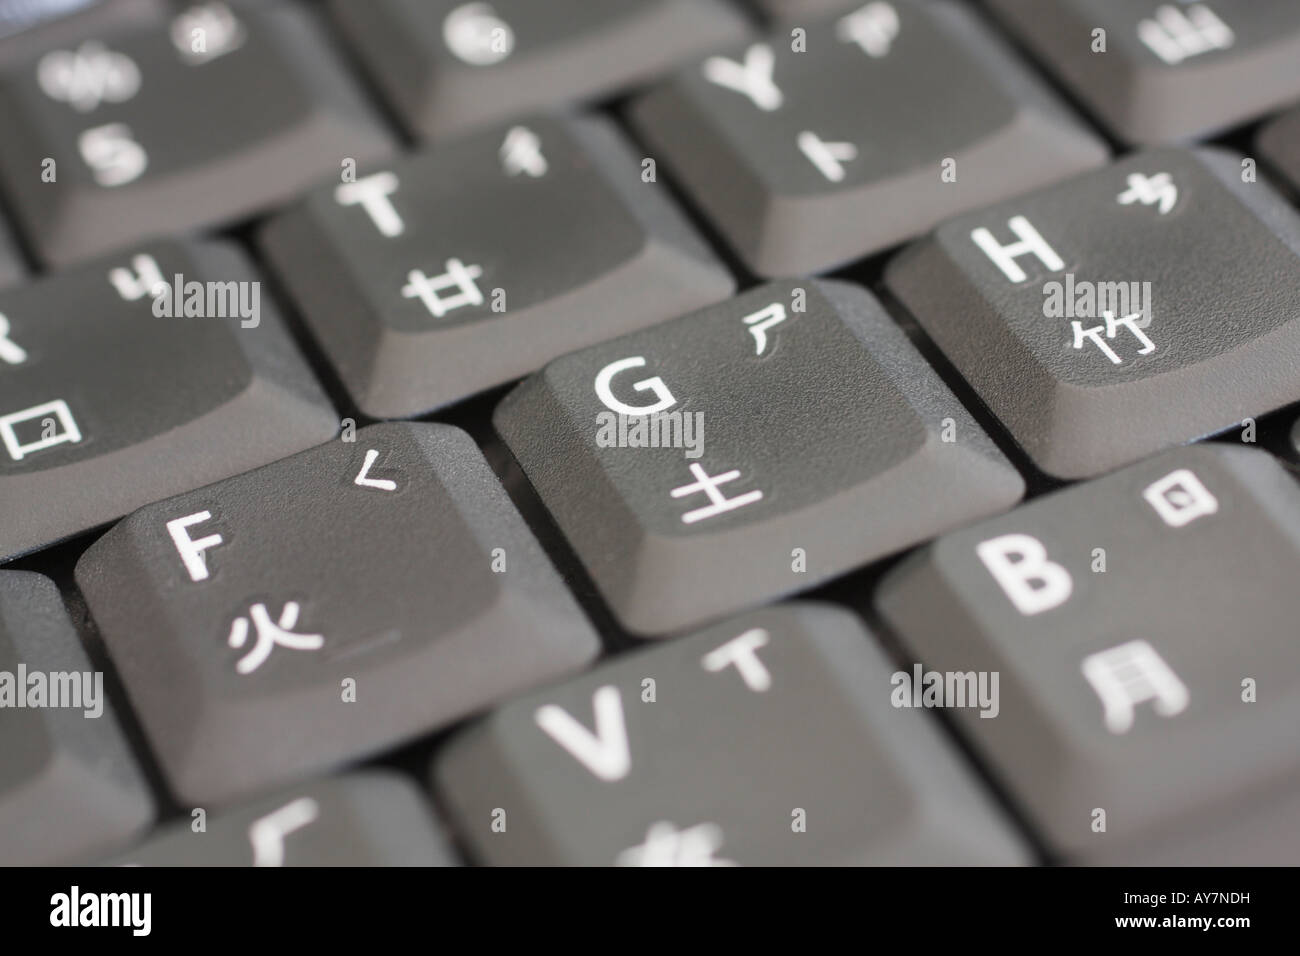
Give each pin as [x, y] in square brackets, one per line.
[369, 818]
[149, 137]
[450, 273]
[1143, 626]
[68, 784]
[11, 261]
[791, 446]
[107, 402]
[895, 117]
[767, 740]
[326, 607]
[1125, 311]
[1169, 71]
[448, 66]
[1279, 144]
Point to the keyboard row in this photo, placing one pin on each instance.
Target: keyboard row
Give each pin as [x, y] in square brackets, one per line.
[1075, 312]
[283, 623]
[142, 119]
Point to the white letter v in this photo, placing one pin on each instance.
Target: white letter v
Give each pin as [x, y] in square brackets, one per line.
[605, 753]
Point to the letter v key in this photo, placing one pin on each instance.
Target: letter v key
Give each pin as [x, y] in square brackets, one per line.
[605, 753]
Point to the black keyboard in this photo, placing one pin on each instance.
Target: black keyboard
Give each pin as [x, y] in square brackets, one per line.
[649, 432]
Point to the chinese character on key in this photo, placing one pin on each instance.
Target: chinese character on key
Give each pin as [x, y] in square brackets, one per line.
[1132, 674]
[708, 485]
[665, 845]
[428, 289]
[57, 427]
[1134, 322]
[269, 634]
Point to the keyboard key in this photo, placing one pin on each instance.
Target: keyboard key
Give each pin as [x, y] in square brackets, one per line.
[68, 784]
[1279, 143]
[768, 740]
[108, 403]
[148, 136]
[1125, 311]
[807, 160]
[1169, 72]
[753, 449]
[1139, 623]
[370, 818]
[448, 66]
[450, 273]
[320, 609]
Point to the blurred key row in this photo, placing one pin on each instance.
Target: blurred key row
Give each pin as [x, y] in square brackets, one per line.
[800, 144]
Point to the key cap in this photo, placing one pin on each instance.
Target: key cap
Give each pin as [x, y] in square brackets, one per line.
[68, 784]
[148, 136]
[457, 271]
[1125, 311]
[449, 66]
[767, 740]
[369, 818]
[326, 607]
[1169, 72]
[752, 449]
[110, 399]
[1139, 622]
[807, 160]
[1279, 143]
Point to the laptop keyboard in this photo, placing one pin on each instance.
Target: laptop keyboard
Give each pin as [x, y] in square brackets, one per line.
[649, 432]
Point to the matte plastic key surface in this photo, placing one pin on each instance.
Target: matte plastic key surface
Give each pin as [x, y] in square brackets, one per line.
[449, 66]
[1143, 625]
[367, 818]
[461, 269]
[768, 740]
[807, 158]
[69, 786]
[139, 133]
[1119, 313]
[755, 448]
[111, 398]
[1166, 71]
[329, 606]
